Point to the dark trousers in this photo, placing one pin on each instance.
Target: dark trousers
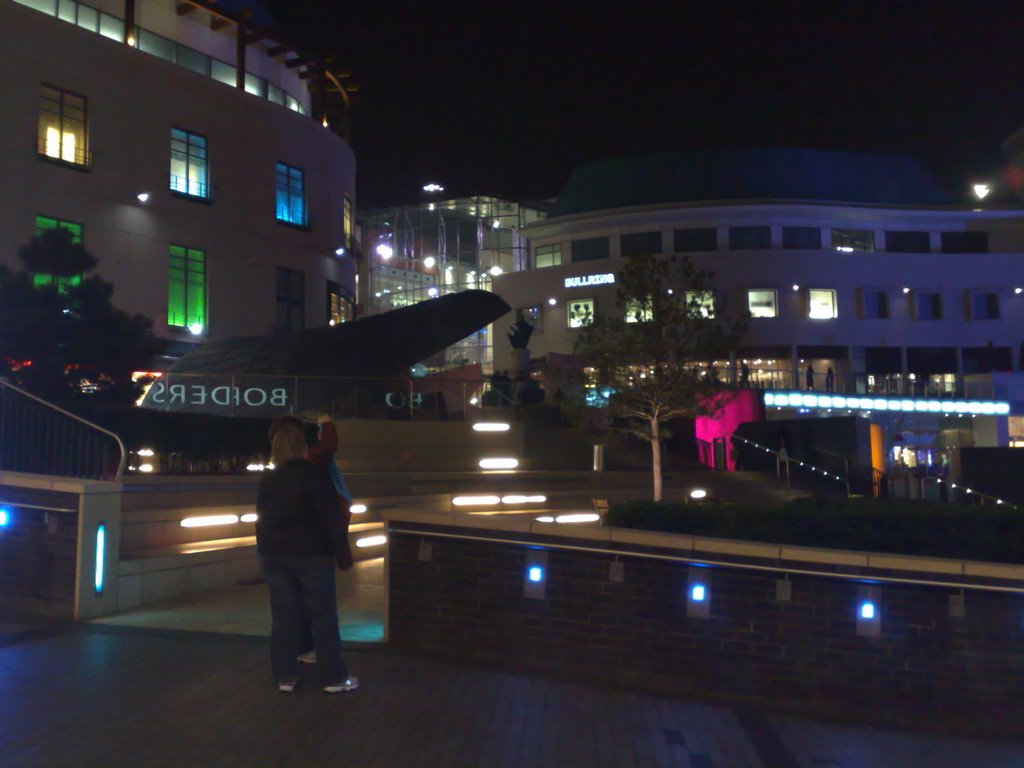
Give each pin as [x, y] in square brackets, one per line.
[303, 587]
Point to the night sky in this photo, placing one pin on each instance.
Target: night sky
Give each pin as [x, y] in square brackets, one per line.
[505, 98]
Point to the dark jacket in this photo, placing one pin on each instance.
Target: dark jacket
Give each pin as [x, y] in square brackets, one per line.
[298, 514]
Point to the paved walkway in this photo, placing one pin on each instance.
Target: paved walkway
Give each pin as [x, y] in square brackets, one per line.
[96, 695]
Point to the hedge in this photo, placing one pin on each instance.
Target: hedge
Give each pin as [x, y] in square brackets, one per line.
[993, 533]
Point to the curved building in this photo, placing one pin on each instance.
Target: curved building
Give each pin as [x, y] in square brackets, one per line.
[187, 152]
[855, 263]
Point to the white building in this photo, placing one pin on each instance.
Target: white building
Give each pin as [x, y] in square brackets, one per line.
[855, 263]
[216, 205]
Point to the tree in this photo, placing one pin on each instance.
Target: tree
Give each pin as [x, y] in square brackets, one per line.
[60, 335]
[648, 360]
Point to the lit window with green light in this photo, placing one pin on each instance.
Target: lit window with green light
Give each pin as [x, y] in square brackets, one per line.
[186, 289]
[46, 224]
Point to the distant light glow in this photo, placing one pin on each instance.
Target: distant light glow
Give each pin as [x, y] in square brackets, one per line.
[552, 301]
[385, 251]
[429, 262]
[495, 270]
[371, 541]
[207, 520]
[518, 499]
[145, 451]
[698, 493]
[143, 197]
[491, 426]
[145, 467]
[867, 610]
[578, 517]
[101, 553]
[906, 290]
[432, 187]
[796, 288]
[1018, 291]
[195, 329]
[339, 251]
[535, 574]
[249, 517]
[5, 517]
[432, 292]
[470, 501]
[781, 399]
[474, 400]
[545, 519]
[499, 463]
[357, 509]
[697, 593]
[981, 191]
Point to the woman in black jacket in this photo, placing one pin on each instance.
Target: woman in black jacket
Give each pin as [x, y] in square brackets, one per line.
[300, 538]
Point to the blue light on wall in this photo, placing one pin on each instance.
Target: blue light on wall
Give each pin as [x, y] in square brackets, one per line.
[535, 574]
[6, 517]
[697, 593]
[783, 399]
[867, 610]
[101, 546]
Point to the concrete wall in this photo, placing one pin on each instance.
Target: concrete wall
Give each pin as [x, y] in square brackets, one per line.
[925, 666]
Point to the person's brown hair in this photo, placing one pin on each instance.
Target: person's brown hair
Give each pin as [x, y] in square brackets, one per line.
[288, 445]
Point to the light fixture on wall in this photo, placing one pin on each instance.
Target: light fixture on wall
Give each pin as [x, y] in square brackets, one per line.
[143, 197]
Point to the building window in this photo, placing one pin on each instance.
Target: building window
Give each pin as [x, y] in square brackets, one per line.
[984, 305]
[580, 312]
[965, 242]
[62, 134]
[908, 242]
[547, 256]
[641, 244]
[695, 240]
[874, 305]
[46, 224]
[801, 238]
[291, 195]
[763, 302]
[749, 238]
[186, 289]
[700, 303]
[591, 249]
[347, 222]
[821, 304]
[188, 164]
[532, 316]
[338, 310]
[850, 240]
[927, 306]
[291, 300]
[637, 313]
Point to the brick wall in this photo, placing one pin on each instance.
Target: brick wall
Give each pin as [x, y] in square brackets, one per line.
[37, 561]
[925, 667]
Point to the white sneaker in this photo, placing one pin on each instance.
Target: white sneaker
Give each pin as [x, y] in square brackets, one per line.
[286, 687]
[309, 657]
[348, 684]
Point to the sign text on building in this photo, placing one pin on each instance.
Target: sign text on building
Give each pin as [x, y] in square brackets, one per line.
[584, 280]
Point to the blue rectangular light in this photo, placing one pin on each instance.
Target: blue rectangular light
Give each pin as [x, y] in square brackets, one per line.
[867, 610]
[101, 546]
[6, 516]
[698, 593]
[535, 574]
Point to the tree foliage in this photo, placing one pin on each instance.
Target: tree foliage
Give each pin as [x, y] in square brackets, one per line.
[66, 339]
[653, 367]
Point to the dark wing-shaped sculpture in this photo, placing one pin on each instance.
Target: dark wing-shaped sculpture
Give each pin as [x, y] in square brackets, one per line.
[261, 375]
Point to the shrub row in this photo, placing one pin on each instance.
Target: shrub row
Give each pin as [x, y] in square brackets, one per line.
[993, 533]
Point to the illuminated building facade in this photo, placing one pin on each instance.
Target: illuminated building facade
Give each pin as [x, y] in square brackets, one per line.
[186, 150]
[860, 274]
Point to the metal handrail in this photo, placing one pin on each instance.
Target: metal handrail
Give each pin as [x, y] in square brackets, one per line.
[788, 460]
[90, 425]
[846, 464]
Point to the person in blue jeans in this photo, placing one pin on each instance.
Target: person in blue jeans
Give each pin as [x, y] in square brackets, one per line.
[301, 539]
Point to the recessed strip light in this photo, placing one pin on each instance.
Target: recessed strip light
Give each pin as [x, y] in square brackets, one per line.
[357, 509]
[578, 517]
[372, 541]
[470, 501]
[490, 426]
[249, 517]
[203, 521]
[499, 463]
[523, 499]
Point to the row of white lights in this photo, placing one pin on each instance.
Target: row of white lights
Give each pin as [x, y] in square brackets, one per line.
[804, 464]
[203, 521]
[799, 399]
[488, 500]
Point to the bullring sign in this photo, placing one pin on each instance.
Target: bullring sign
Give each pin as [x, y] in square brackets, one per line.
[585, 280]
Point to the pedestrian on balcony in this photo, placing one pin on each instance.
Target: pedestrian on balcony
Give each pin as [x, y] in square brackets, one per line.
[830, 379]
[810, 376]
[301, 539]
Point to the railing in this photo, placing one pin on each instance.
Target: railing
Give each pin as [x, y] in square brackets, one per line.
[859, 384]
[78, 156]
[40, 438]
[786, 467]
[936, 488]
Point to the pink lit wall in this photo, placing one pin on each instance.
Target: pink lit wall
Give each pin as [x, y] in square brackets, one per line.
[735, 408]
